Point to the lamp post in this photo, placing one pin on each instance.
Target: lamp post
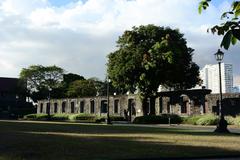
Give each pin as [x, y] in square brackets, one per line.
[222, 124]
[108, 117]
[49, 106]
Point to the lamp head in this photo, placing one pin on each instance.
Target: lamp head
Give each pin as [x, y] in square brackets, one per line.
[219, 55]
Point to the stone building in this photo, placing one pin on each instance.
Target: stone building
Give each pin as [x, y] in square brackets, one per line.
[184, 103]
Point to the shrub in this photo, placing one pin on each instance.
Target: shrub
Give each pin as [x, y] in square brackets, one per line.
[230, 120]
[59, 117]
[84, 117]
[36, 117]
[160, 119]
[208, 120]
[117, 118]
[191, 120]
[112, 118]
[237, 120]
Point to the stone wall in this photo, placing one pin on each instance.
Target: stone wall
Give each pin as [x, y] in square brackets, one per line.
[117, 105]
[131, 104]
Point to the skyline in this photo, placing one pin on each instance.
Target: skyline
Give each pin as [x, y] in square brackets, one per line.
[78, 35]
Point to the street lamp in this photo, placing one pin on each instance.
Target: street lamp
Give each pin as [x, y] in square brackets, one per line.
[108, 117]
[49, 106]
[222, 124]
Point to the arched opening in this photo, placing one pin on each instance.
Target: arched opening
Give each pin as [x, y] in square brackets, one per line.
[116, 106]
[82, 107]
[104, 106]
[41, 108]
[92, 106]
[55, 107]
[72, 107]
[63, 107]
[48, 108]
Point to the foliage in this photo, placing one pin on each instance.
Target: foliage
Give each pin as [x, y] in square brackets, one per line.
[86, 117]
[149, 56]
[81, 88]
[230, 29]
[101, 86]
[230, 120]
[161, 119]
[208, 120]
[59, 117]
[82, 117]
[40, 79]
[191, 120]
[36, 117]
[71, 77]
[237, 120]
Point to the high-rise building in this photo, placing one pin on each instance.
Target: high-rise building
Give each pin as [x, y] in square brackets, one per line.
[210, 76]
[236, 89]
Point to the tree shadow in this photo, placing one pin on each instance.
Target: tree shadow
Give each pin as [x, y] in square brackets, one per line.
[35, 145]
[102, 129]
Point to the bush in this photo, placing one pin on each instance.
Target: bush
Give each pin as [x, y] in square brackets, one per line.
[230, 120]
[161, 119]
[208, 120]
[191, 120]
[59, 117]
[84, 117]
[112, 118]
[237, 120]
[117, 118]
[36, 117]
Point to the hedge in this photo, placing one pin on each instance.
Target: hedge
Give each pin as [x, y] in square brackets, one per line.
[36, 117]
[208, 120]
[237, 120]
[59, 117]
[71, 117]
[159, 119]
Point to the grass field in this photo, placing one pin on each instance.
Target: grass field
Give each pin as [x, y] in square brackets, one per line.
[37, 140]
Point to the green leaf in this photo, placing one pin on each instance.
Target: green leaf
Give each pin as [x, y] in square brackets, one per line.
[200, 8]
[234, 40]
[237, 13]
[226, 40]
[236, 33]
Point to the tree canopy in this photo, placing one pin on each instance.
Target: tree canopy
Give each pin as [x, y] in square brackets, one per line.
[230, 28]
[149, 56]
[80, 88]
[41, 79]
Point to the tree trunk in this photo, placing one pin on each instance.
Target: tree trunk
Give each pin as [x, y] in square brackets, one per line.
[152, 105]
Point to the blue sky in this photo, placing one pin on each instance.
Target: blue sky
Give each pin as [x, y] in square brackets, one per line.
[78, 37]
[60, 3]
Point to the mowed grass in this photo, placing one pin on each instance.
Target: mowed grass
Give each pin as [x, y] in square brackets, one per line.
[63, 141]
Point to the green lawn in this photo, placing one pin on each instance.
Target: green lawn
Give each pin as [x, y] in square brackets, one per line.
[77, 141]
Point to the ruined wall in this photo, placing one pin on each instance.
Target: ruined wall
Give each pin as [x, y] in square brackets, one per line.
[163, 105]
[74, 105]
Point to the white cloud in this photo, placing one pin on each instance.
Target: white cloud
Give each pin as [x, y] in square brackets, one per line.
[79, 36]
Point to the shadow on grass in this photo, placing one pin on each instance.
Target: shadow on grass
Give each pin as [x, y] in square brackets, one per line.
[45, 141]
[101, 129]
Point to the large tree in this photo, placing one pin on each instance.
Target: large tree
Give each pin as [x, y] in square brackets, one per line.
[81, 88]
[230, 28]
[40, 79]
[149, 56]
